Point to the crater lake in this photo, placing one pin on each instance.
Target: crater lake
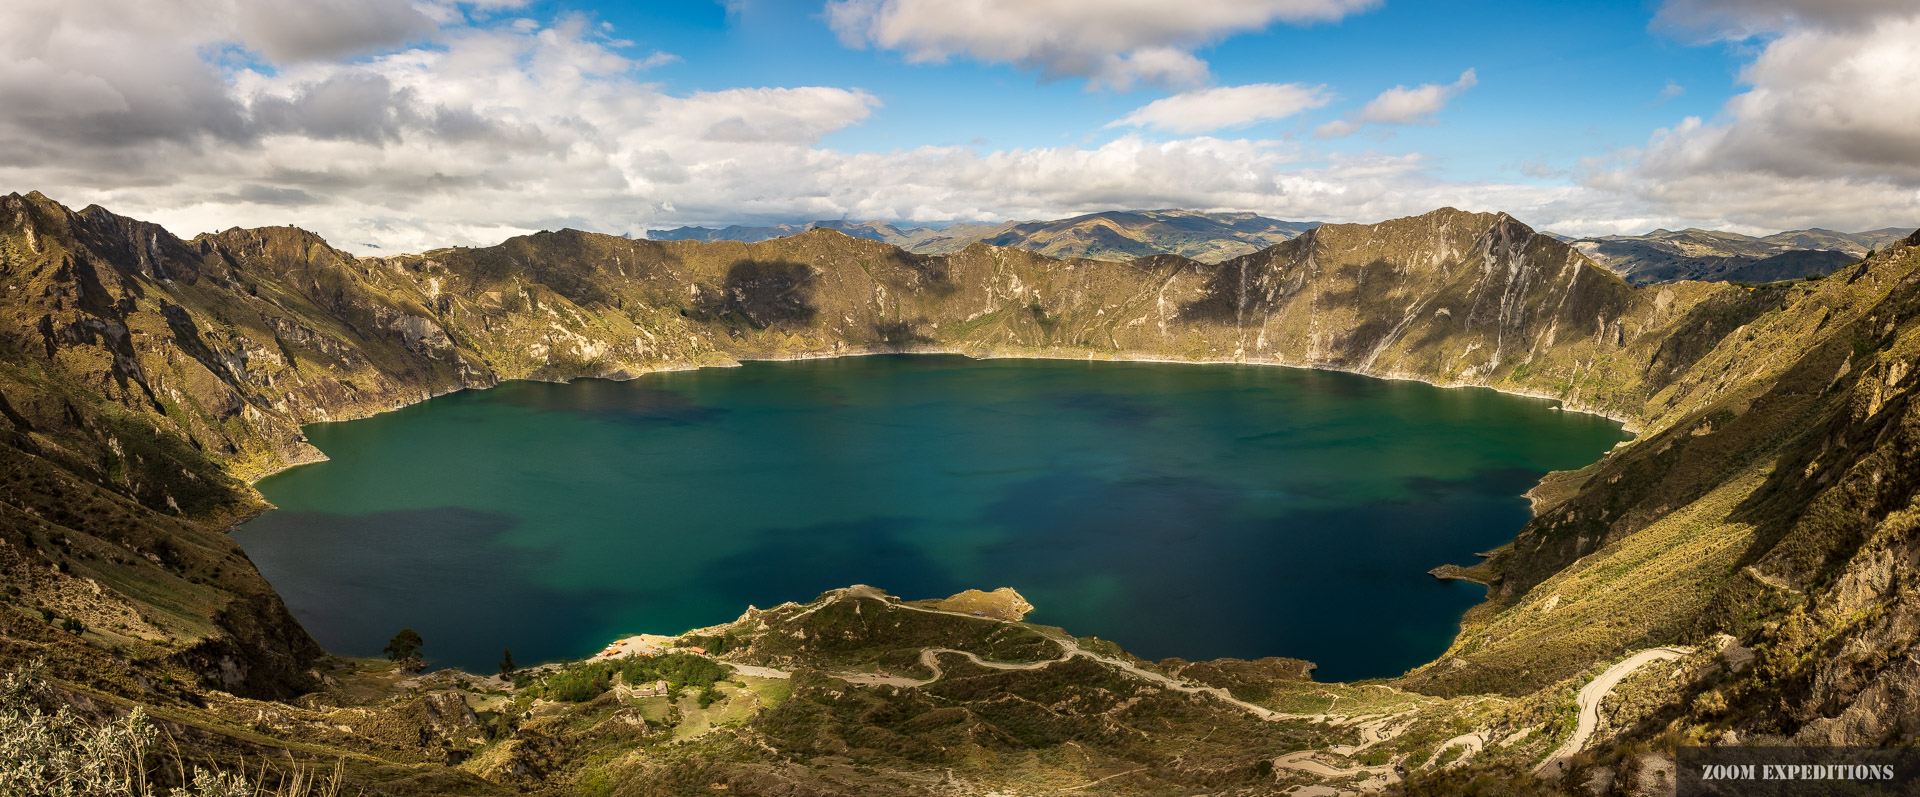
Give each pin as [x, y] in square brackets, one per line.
[1197, 511]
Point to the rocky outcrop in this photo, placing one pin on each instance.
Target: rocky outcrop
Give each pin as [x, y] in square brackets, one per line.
[166, 373]
[145, 379]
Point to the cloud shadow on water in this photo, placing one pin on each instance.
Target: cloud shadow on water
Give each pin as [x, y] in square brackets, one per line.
[620, 402]
[1202, 576]
[1110, 408]
[1483, 482]
[800, 562]
[354, 580]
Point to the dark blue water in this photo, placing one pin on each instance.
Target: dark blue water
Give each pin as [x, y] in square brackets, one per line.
[1180, 510]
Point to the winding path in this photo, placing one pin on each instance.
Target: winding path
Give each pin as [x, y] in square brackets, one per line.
[1070, 649]
[1589, 701]
[1378, 730]
[1374, 729]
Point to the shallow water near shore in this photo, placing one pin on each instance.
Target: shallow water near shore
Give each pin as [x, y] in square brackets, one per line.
[1179, 510]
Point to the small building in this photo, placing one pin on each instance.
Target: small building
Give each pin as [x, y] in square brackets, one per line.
[655, 689]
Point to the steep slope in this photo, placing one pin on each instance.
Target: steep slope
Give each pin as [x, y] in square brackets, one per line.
[1771, 504]
[144, 379]
[169, 372]
[1775, 513]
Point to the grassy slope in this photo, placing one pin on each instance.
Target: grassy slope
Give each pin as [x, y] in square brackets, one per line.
[156, 374]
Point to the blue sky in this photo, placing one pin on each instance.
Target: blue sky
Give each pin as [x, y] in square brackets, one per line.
[1557, 81]
[401, 124]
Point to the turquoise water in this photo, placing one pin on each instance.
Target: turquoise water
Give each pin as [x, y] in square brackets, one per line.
[1179, 510]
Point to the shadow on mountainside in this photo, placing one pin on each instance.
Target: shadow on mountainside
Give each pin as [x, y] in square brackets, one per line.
[763, 293]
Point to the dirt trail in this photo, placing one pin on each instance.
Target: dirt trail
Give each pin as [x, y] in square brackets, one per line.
[1304, 761]
[1473, 742]
[1374, 729]
[1070, 649]
[1589, 701]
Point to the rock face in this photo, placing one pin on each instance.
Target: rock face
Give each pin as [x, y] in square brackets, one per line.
[145, 379]
[1004, 603]
[159, 375]
[1770, 499]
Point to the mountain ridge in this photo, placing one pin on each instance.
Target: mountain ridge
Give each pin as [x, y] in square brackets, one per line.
[155, 376]
[1664, 255]
[1658, 257]
[1107, 235]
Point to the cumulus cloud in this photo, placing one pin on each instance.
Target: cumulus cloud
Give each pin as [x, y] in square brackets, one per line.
[500, 126]
[1222, 107]
[1400, 105]
[495, 129]
[112, 72]
[1112, 43]
[1741, 19]
[1205, 173]
[490, 126]
[1825, 133]
[299, 30]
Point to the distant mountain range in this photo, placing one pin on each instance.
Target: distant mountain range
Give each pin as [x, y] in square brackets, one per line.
[1111, 235]
[1661, 256]
[1762, 517]
[1693, 254]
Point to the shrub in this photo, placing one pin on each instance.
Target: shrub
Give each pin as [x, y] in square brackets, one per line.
[59, 753]
[404, 648]
[679, 670]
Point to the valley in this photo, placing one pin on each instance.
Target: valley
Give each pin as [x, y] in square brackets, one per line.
[1764, 505]
[1166, 507]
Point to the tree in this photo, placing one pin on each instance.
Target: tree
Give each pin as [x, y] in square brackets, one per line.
[404, 648]
[506, 663]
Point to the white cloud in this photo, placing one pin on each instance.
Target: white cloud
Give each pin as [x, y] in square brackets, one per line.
[1401, 105]
[1741, 19]
[1113, 43]
[491, 127]
[1826, 133]
[1338, 128]
[1540, 169]
[298, 30]
[1223, 107]
[497, 129]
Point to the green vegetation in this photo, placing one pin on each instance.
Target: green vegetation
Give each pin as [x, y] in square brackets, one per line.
[581, 683]
[866, 633]
[60, 753]
[404, 649]
[145, 379]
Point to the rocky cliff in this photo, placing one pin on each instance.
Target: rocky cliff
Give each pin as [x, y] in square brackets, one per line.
[144, 380]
